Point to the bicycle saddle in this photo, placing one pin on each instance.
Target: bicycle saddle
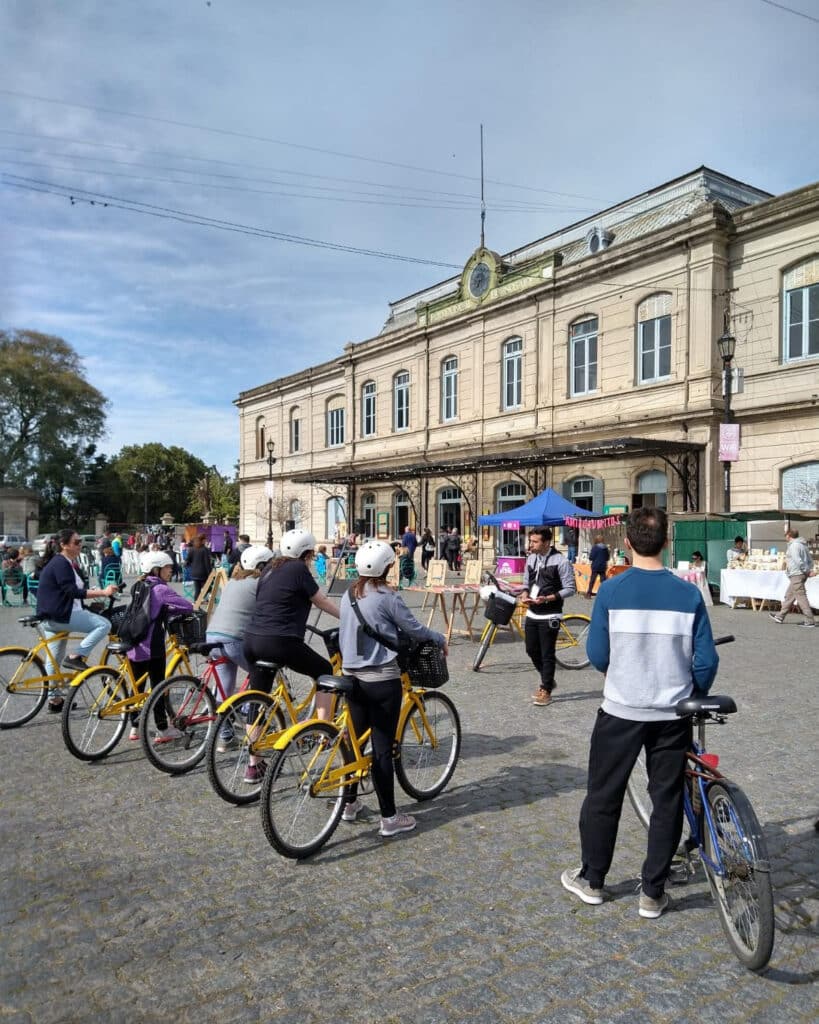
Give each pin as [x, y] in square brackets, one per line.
[336, 684]
[703, 705]
[31, 620]
[118, 648]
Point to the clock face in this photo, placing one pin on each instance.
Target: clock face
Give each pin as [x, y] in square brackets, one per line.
[479, 280]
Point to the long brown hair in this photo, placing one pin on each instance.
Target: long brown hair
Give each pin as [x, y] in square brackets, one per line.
[360, 585]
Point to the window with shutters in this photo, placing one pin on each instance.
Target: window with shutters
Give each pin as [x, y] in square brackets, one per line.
[512, 382]
[368, 409]
[335, 422]
[583, 356]
[449, 389]
[654, 339]
[295, 429]
[400, 400]
[800, 331]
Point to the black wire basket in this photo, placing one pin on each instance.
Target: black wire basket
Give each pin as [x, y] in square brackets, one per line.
[189, 629]
[499, 610]
[427, 667]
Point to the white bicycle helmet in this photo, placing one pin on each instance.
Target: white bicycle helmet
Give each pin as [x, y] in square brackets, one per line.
[295, 542]
[374, 558]
[254, 556]
[154, 560]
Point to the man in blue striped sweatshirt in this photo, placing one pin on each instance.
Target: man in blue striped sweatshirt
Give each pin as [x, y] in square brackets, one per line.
[651, 635]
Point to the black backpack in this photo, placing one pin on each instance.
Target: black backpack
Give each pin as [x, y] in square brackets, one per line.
[135, 623]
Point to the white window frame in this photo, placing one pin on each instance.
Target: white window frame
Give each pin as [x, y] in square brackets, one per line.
[368, 409]
[335, 427]
[449, 389]
[649, 341]
[583, 356]
[400, 400]
[806, 292]
[512, 376]
[295, 431]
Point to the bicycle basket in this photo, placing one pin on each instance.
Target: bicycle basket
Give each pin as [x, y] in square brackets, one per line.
[427, 666]
[189, 629]
[499, 609]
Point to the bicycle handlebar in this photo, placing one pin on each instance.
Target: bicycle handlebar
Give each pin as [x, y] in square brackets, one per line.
[729, 639]
[323, 633]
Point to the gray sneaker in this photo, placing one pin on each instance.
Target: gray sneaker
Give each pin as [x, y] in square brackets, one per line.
[807, 624]
[649, 907]
[572, 881]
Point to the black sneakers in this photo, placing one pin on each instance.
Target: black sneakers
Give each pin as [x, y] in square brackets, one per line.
[75, 662]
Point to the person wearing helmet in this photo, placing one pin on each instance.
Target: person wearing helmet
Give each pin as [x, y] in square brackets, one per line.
[285, 595]
[230, 619]
[149, 654]
[376, 700]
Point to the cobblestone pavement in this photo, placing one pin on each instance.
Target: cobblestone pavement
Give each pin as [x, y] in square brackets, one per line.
[131, 896]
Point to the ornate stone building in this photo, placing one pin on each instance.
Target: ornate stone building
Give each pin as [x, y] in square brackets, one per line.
[586, 361]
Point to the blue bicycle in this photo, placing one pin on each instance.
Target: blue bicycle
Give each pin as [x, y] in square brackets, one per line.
[725, 835]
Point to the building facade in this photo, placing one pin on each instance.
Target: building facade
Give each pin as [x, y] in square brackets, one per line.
[586, 361]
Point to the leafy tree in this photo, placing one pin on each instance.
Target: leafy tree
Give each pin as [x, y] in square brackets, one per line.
[214, 495]
[167, 476]
[49, 413]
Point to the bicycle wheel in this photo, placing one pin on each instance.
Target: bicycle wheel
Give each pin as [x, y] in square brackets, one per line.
[187, 706]
[570, 650]
[242, 730]
[488, 635]
[742, 889]
[429, 748]
[297, 819]
[90, 730]
[637, 790]
[21, 699]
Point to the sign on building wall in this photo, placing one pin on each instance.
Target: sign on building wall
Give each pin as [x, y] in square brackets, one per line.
[382, 525]
[728, 442]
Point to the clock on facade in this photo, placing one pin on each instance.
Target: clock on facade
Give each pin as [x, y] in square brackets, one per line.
[479, 280]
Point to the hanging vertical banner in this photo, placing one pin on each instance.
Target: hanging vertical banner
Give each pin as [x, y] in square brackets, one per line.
[728, 442]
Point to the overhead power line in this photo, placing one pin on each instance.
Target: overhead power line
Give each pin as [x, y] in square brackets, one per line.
[78, 195]
[790, 10]
[284, 142]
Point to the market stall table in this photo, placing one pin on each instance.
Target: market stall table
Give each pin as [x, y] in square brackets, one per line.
[697, 577]
[759, 586]
[451, 601]
[582, 575]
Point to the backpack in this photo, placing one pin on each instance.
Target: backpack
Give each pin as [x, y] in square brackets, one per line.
[135, 623]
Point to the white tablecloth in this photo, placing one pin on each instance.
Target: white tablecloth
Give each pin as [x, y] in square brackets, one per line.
[761, 583]
[697, 577]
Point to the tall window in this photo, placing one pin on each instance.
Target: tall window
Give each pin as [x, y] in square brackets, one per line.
[401, 511]
[295, 513]
[368, 409]
[508, 496]
[654, 339]
[400, 400]
[449, 388]
[261, 451]
[335, 514]
[295, 430]
[335, 424]
[368, 514]
[583, 356]
[652, 490]
[801, 328]
[800, 487]
[512, 385]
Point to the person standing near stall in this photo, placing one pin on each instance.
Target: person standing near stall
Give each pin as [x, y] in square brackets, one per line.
[599, 558]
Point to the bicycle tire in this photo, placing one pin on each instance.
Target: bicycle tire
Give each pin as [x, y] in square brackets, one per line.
[88, 732]
[296, 820]
[570, 649]
[190, 708]
[428, 756]
[488, 635]
[744, 895]
[637, 789]
[20, 706]
[226, 768]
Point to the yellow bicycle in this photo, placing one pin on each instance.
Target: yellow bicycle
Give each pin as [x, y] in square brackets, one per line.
[313, 763]
[28, 675]
[101, 699]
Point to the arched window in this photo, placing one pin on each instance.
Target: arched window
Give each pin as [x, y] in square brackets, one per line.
[400, 400]
[295, 429]
[654, 338]
[295, 513]
[449, 508]
[335, 421]
[801, 311]
[652, 490]
[336, 517]
[401, 512]
[800, 487]
[368, 409]
[368, 513]
[509, 496]
[583, 356]
[449, 389]
[584, 491]
[261, 451]
[512, 374]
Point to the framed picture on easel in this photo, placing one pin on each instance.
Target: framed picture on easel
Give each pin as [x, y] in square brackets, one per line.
[382, 525]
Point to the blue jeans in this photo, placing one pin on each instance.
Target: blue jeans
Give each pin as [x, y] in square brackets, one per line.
[235, 651]
[95, 627]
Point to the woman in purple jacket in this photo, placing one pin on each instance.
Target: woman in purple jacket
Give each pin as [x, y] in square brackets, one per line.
[149, 654]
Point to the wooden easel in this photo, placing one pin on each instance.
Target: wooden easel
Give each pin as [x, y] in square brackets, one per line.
[436, 577]
[213, 585]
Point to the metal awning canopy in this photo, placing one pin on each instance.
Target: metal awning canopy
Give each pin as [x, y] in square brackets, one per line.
[374, 472]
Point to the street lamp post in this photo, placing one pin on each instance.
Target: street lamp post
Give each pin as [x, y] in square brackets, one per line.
[726, 344]
[270, 463]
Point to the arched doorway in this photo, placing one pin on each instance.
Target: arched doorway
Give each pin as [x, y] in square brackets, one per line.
[449, 508]
[509, 496]
[401, 512]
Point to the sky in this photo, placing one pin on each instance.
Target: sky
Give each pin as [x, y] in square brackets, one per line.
[345, 127]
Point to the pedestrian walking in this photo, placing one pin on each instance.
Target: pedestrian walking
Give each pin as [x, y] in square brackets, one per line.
[798, 566]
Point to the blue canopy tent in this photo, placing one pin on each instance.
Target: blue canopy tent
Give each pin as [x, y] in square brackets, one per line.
[545, 509]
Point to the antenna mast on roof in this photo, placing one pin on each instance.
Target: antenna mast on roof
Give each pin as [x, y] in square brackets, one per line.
[483, 204]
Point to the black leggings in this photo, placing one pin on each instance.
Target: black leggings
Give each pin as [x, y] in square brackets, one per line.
[286, 651]
[377, 706]
[155, 667]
